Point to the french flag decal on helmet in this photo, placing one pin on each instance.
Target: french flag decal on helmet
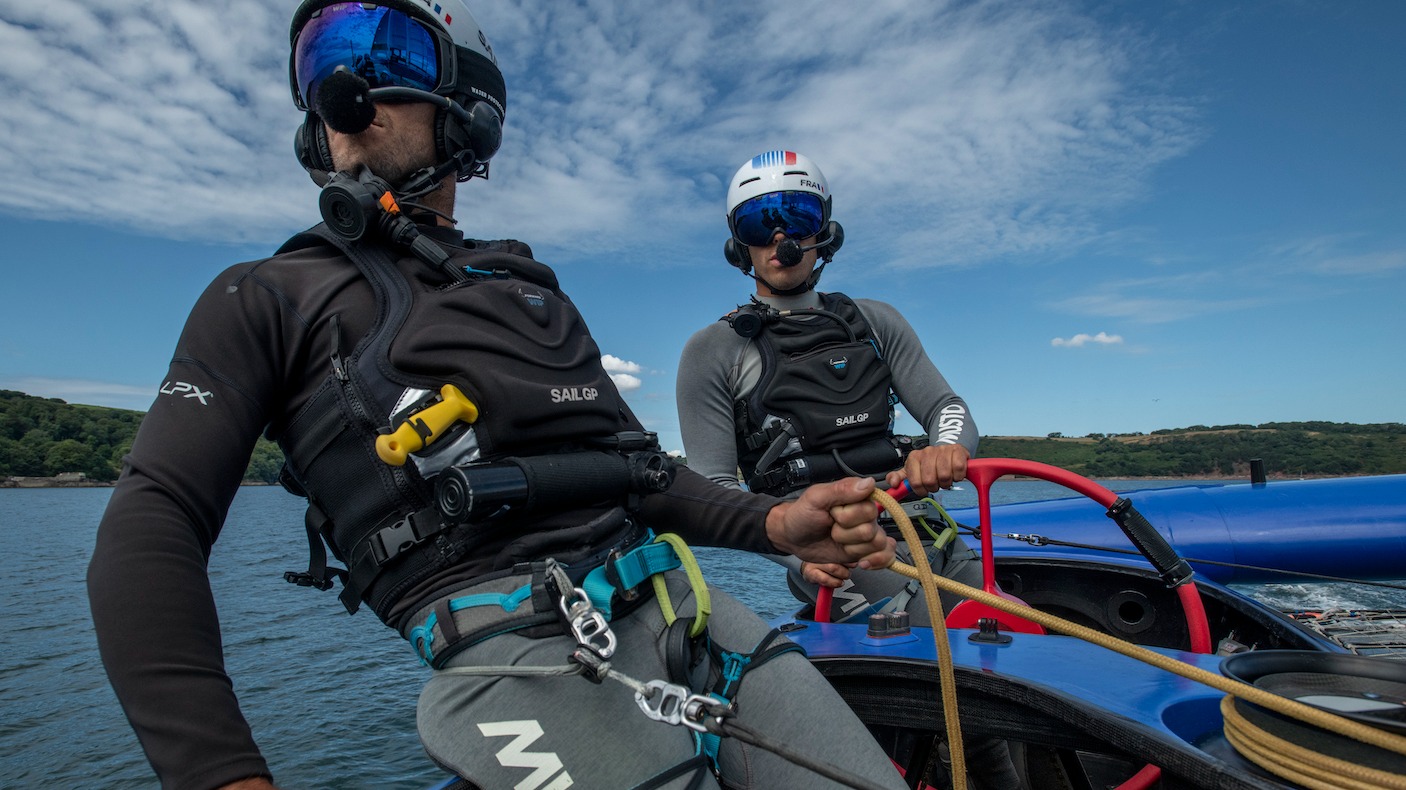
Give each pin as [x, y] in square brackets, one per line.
[772, 158]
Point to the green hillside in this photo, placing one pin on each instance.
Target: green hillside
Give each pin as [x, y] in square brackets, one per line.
[1288, 449]
[46, 437]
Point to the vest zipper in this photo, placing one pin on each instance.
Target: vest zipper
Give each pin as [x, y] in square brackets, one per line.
[338, 368]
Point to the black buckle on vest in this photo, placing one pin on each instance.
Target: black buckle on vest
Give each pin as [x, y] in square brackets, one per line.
[388, 543]
[307, 580]
[765, 437]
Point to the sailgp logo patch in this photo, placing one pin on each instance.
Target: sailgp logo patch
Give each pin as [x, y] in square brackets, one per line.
[186, 391]
[840, 366]
[545, 765]
[568, 394]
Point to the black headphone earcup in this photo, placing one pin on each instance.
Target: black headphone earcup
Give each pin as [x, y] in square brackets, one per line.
[680, 651]
[482, 133]
[310, 145]
[837, 240]
[737, 255]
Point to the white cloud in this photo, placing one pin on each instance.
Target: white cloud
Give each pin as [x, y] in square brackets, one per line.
[160, 116]
[614, 364]
[92, 393]
[951, 133]
[625, 382]
[1366, 264]
[1082, 339]
[1164, 299]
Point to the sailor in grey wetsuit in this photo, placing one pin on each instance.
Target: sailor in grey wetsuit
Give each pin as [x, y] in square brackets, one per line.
[798, 386]
[792, 399]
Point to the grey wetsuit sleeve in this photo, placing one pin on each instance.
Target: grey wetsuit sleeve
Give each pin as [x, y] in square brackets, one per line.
[704, 393]
[920, 387]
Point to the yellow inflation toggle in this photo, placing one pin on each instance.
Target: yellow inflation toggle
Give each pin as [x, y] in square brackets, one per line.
[426, 425]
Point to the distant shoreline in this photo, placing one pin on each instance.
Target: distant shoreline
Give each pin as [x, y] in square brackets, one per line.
[54, 482]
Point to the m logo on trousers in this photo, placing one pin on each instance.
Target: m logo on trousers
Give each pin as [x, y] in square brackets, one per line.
[852, 600]
[544, 764]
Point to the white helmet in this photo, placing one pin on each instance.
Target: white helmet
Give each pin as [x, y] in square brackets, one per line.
[777, 171]
[779, 191]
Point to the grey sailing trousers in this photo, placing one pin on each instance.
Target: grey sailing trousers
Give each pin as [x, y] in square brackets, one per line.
[553, 733]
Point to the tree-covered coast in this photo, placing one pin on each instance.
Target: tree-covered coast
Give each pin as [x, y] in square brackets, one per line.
[49, 441]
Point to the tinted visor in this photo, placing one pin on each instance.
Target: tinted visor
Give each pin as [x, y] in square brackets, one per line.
[382, 46]
[799, 215]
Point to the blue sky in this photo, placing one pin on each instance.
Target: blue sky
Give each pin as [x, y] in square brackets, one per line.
[1099, 216]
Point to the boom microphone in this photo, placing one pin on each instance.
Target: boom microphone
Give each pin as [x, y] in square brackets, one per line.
[789, 252]
[344, 102]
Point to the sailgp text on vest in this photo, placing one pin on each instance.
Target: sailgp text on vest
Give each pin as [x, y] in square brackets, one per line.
[566, 394]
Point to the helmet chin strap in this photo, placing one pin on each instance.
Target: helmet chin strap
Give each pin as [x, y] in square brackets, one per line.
[808, 285]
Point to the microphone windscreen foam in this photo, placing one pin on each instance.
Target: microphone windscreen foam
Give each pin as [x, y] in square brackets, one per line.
[344, 102]
[789, 253]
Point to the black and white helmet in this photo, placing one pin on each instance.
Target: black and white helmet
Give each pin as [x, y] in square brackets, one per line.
[417, 49]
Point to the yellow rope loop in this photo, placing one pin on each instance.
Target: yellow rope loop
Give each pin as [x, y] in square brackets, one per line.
[702, 602]
[1297, 763]
[946, 675]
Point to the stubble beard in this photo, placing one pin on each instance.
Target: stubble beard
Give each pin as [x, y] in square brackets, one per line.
[394, 156]
[393, 162]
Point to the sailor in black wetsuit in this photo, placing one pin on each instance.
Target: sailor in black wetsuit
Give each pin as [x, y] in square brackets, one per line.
[463, 453]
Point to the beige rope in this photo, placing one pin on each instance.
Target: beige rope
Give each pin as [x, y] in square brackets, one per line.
[946, 676]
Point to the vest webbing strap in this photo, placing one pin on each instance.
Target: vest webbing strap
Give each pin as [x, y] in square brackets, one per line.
[318, 575]
[383, 545]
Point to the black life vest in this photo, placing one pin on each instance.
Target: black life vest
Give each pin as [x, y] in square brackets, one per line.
[507, 338]
[827, 387]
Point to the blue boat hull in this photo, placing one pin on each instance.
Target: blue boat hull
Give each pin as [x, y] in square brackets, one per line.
[1353, 528]
[1078, 714]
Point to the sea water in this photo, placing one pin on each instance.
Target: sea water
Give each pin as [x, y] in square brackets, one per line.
[331, 698]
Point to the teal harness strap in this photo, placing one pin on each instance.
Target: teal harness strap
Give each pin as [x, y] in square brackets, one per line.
[422, 636]
[628, 571]
[732, 666]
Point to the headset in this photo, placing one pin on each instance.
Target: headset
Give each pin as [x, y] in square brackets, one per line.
[470, 143]
[789, 253]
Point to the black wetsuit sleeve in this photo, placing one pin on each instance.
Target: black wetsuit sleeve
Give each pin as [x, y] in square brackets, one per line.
[152, 605]
[706, 514]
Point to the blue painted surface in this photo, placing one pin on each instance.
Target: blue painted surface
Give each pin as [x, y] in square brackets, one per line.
[1349, 527]
[1063, 666]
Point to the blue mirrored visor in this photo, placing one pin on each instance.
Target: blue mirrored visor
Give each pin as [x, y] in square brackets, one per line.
[799, 215]
[382, 46]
